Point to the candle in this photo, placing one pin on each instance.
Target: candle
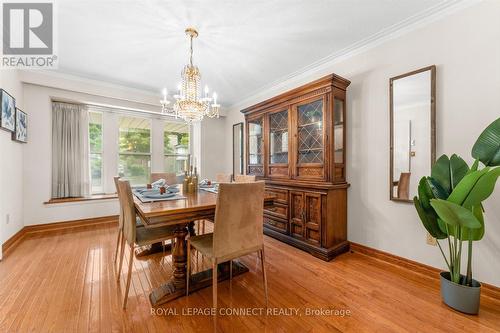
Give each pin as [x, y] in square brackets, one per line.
[206, 91]
[215, 97]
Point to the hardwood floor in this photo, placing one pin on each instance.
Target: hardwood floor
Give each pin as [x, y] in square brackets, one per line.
[65, 281]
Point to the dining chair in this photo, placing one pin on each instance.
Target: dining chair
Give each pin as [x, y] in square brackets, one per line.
[222, 178]
[170, 177]
[237, 230]
[134, 236]
[120, 222]
[404, 185]
[244, 178]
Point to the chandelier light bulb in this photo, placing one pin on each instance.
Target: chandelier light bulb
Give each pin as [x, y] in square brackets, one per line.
[165, 93]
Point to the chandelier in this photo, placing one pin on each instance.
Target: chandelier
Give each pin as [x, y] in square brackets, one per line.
[189, 104]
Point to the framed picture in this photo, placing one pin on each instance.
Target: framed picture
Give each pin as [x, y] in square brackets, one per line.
[8, 111]
[21, 133]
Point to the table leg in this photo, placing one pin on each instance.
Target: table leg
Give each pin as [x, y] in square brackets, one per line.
[179, 257]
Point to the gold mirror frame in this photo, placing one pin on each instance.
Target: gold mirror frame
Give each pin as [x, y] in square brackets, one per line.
[432, 70]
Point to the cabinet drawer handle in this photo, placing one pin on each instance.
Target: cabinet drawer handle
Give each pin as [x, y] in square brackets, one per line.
[272, 209]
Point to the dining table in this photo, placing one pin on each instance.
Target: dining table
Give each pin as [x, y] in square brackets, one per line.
[181, 214]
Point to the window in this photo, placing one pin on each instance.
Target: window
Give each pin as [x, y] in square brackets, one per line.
[176, 147]
[95, 143]
[135, 149]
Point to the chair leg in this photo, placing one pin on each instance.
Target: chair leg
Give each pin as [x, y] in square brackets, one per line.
[214, 284]
[129, 275]
[122, 253]
[188, 273]
[264, 276]
[230, 270]
[118, 239]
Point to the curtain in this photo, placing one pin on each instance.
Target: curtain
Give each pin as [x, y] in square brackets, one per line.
[70, 151]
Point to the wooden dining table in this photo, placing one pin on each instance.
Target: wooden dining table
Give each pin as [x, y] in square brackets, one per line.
[182, 213]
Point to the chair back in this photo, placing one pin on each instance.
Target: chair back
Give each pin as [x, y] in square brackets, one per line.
[129, 216]
[120, 216]
[222, 178]
[238, 219]
[404, 185]
[170, 177]
[244, 178]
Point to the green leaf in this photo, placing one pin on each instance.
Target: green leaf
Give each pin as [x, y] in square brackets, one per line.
[438, 191]
[465, 186]
[474, 166]
[487, 146]
[455, 215]
[482, 189]
[429, 221]
[441, 172]
[425, 194]
[448, 172]
[458, 169]
[475, 234]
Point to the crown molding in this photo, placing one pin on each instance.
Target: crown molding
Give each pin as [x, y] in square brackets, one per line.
[317, 68]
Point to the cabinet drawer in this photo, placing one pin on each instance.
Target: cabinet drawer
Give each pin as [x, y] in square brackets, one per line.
[276, 224]
[281, 195]
[278, 210]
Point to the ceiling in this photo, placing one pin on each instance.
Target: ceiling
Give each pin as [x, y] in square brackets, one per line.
[243, 45]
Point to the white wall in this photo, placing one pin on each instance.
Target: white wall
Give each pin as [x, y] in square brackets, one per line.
[213, 145]
[466, 50]
[11, 162]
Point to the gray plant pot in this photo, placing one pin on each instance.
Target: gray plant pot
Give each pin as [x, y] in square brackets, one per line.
[459, 297]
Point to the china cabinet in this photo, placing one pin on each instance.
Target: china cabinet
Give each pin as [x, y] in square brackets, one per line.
[296, 143]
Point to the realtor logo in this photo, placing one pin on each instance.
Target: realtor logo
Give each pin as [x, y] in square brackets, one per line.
[28, 35]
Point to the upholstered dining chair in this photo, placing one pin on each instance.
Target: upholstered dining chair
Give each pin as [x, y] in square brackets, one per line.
[222, 178]
[237, 230]
[120, 222]
[170, 177]
[244, 178]
[136, 236]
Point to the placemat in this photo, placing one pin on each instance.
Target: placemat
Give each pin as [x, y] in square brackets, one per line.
[144, 199]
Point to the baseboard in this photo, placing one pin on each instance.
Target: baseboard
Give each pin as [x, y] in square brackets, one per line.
[15, 240]
[486, 290]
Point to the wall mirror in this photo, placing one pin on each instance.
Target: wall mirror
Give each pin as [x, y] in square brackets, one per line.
[413, 127]
[238, 149]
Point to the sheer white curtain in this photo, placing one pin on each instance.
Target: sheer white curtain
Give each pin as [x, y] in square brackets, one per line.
[70, 150]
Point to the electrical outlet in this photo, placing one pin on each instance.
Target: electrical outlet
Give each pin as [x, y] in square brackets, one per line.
[431, 240]
[7, 219]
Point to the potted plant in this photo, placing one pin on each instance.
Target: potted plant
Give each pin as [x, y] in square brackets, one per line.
[449, 204]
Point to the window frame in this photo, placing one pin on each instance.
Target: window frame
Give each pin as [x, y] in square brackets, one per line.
[101, 153]
[150, 154]
[167, 155]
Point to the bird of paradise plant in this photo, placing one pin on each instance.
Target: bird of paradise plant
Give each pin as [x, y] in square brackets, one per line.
[450, 201]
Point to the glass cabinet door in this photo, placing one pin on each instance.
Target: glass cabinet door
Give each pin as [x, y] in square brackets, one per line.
[310, 139]
[278, 144]
[255, 147]
[338, 137]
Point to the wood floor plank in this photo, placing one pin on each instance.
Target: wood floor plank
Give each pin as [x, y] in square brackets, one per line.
[65, 281]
